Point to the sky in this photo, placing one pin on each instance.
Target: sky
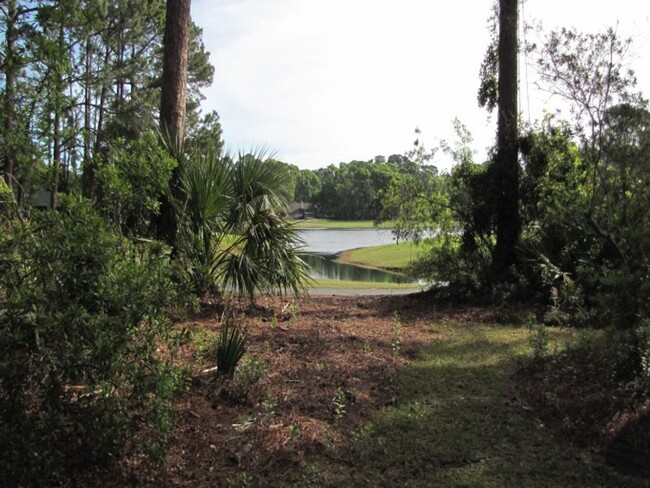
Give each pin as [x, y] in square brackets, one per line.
[320, 82]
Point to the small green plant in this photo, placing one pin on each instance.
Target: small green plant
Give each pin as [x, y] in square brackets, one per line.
[250, 372]
[243, 424]
[294, 432]
[538, 337]
[246, 479]
[340, 404]
[366, 347]
[203, 340]
[320, 366]
[270, 404]
[313, 476]
[396, 327]
[230, 347]
[274, 322]
[293, 311]
[642, 336]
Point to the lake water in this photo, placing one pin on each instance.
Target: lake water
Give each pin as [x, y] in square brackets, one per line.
[322, 247]
[334, 241]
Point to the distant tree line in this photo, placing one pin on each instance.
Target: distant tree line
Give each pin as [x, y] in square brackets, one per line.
[353, 190]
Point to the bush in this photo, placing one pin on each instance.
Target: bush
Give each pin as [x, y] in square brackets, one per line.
[131, 177]
[81, 320]
[229, 348]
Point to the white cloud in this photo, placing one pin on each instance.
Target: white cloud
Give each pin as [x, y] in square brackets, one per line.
[328, 81]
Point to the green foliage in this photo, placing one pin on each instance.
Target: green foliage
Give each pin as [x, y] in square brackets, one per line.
[83, 316]
[229, 348]
[249, 373]
[82, 74]
[585, 205]
[354, 190]
[232, 230]
[8, 205]
[339, 403]
[131, 178]
[488, 90]
[308, 186]
[452, 212]
[538, 337]
[589, 234]
[588, 70]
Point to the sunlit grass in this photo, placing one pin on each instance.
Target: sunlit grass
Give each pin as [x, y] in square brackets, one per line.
[387, 256]
[455, 422]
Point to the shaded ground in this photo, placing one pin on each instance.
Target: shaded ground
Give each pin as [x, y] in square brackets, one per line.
[370, 391]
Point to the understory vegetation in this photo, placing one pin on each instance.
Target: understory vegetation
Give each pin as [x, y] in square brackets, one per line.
[152, 328]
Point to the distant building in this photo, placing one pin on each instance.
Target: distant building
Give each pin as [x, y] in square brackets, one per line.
[41, 198]
[301, 210]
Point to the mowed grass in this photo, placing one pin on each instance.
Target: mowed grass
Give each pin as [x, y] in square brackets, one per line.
[457, 423]
[335, 224]
[388, 256]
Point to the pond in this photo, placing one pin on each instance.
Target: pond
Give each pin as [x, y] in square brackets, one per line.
[334, 241]
[322, 247]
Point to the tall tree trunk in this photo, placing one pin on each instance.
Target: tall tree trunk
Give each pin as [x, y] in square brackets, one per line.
[507, 166]
[102, 102]
[88, 174]
[56, 157]
[56, 160]
[11, 69]
[172, 103]
[174, 77]
[88, 102]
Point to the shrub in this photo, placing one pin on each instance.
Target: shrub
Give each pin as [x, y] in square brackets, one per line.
[229, 348]
[249, 373]
[81, 320]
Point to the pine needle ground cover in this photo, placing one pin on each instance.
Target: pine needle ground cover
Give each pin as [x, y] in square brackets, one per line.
[370, 391]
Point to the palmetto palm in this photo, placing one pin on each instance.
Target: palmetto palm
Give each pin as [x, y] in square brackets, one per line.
[232, 230]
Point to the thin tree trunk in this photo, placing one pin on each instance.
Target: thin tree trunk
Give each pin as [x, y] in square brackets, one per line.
[102, 102]
[507, 166]
[87, 103]
[11, 69]
[56, 156]
[56, 160]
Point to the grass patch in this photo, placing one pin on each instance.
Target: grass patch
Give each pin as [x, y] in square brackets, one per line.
[336, 224]
[456, 423]
[349, 284]
[393, 257]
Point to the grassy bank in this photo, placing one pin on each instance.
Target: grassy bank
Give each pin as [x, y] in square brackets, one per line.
[334, 224]
[394, 257]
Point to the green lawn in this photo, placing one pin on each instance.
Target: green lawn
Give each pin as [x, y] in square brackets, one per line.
[334, 224]
[388, 256]
[457, 423]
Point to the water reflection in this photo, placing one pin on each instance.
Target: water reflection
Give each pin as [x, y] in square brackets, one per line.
[324, 266]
